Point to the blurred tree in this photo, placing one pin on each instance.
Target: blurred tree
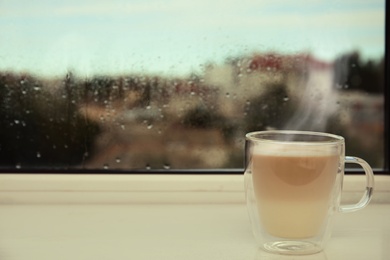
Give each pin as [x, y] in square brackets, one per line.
[203, 117]
[272, 109]
[352, 73]
[40, 129]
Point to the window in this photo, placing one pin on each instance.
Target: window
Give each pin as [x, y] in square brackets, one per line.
[171, 85]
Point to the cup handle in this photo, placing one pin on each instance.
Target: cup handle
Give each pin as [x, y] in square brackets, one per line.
[369, 185]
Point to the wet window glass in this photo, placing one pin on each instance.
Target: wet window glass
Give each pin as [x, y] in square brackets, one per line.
[162, 85]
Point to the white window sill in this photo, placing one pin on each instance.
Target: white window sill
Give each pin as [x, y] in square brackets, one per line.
[161, 217]
[96, 217]
[158, 188]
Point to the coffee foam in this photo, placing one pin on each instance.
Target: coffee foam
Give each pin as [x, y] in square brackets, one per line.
[294, 149]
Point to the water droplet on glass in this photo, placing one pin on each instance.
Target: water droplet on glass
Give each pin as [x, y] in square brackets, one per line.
[18, 166]
[148, 107]
[167, 166]
[16, 121]
[227, 94]
[285, 99]
[147, 167]
[105, 166]
[150, 126]
[38, 155]
[123, 127]
[118, 160]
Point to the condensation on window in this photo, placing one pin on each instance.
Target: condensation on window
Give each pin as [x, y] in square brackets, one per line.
[129, 85]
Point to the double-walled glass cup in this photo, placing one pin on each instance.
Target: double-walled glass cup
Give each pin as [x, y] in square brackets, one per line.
[293, 183]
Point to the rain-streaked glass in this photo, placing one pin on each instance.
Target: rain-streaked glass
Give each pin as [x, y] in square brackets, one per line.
[125, 85]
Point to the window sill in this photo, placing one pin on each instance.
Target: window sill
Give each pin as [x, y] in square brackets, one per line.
[161, 217]
[158, 188]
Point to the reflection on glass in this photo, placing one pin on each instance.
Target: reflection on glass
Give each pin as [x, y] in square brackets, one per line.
[176, 84]
[262, 255]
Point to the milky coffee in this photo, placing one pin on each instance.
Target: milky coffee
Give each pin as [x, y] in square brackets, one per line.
[293, 189]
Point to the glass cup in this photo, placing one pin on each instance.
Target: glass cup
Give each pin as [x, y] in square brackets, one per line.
[293, 183]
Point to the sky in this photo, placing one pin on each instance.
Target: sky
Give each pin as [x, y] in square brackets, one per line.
[178, 37]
